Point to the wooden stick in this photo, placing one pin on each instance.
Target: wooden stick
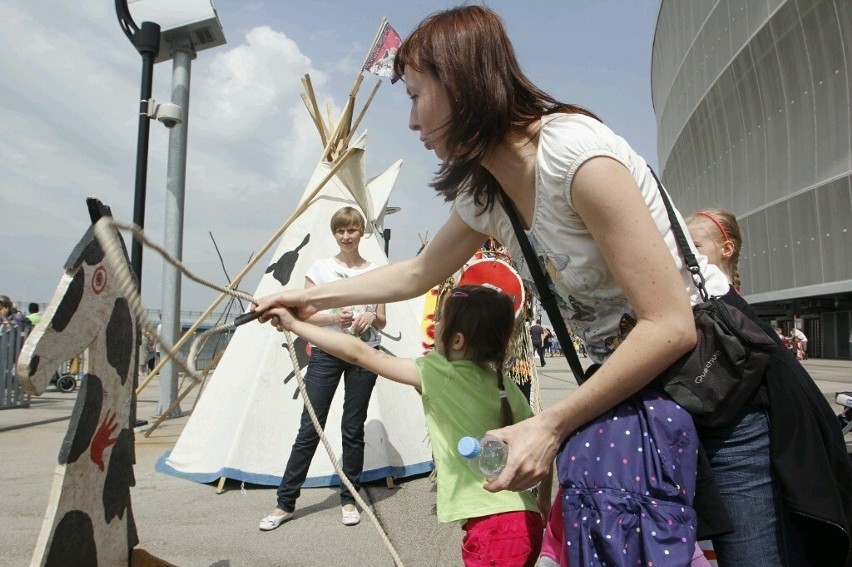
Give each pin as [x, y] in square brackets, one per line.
[344, 133]
[338, 163]
[363, 111]
[172, 407]
[221, 486]
[330, 111]
[331, 147]
[351, 106]
[314, 118]
[204, 373]
[148, 378]
[309, 88]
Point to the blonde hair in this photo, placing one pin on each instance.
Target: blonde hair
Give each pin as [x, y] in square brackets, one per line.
[724, 226]
[347, 217]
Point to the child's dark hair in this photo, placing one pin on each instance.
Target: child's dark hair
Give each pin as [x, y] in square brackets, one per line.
[486, 319]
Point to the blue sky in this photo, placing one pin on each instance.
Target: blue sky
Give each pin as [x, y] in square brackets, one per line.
[69, 83]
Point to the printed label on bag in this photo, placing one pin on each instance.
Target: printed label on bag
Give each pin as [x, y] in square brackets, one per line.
[700, 378]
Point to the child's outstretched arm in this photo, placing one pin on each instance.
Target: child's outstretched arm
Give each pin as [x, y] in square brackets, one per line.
[351, 349]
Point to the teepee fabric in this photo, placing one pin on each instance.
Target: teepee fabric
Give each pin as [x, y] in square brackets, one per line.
[246, 420]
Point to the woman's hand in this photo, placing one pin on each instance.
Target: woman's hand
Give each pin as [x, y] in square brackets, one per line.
[362, 322]
[345, 318]
[294, 299]
[532, 448]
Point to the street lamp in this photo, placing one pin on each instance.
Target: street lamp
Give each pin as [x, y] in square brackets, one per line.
[146, 40]
[188, 26]
[194, 19]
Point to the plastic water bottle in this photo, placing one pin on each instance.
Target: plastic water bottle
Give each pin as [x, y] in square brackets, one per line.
[486, 456]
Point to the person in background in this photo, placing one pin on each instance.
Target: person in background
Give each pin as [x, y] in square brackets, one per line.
[537, 337]
[716, 234]
[547, 341]
[789, 406]
[800, 341]
[34, 315]
[9, 314]
[146, 352]
[364, 320]
[155, 343]
[464, 393]
[555, 346]
[785, 340]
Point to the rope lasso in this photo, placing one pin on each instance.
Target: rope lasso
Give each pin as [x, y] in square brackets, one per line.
[106, 231]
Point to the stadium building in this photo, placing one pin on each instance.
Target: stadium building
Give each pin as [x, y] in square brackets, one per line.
[753, 101]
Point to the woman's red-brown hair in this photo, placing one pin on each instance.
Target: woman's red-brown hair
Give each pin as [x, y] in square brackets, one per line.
[468, 51]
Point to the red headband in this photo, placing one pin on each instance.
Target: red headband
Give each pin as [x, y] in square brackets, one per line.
[716, 222]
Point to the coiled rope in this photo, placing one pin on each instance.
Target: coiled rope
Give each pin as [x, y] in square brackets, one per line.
[106, 231]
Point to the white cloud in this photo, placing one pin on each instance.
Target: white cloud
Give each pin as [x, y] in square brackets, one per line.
[69, 131]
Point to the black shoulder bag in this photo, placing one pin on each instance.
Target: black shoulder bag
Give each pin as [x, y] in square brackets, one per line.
[545, 293]
[714, 380]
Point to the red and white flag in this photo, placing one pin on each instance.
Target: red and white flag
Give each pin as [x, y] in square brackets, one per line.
[380, 60]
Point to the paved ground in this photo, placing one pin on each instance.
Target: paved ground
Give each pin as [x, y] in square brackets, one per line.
[189, 525]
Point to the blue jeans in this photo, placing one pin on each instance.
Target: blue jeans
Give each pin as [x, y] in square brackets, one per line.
[763, 534]
[321, 380]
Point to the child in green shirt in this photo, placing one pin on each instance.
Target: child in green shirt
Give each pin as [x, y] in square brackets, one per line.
[463, 393]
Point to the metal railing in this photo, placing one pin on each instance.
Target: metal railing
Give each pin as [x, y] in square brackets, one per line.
[11, 393]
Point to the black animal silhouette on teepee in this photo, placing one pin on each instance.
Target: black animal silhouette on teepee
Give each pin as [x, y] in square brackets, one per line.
[282, 268]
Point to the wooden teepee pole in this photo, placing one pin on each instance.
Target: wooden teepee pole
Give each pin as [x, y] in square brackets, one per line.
[361, 114]
[338, 163]
[313, 108]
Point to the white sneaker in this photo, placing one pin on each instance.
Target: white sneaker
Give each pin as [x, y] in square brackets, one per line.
[272, 521]
[351, 517]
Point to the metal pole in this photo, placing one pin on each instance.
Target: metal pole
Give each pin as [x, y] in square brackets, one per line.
[173, 239]
[147, 42]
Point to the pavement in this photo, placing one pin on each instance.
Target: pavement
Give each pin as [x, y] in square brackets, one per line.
[189, 524]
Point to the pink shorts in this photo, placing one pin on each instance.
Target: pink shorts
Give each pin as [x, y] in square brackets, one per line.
[512, 539]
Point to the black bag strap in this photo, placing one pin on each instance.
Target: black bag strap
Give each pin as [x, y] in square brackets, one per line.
[545, 293]
[680, 238]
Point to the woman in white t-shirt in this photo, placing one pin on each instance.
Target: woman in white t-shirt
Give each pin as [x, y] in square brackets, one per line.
[593, 214]
[365, 320]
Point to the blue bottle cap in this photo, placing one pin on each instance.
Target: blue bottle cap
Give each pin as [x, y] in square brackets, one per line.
[469, 447]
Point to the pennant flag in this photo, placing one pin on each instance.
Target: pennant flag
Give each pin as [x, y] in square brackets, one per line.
[380, 60]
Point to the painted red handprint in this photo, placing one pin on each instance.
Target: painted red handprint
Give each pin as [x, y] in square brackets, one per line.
[103, 439]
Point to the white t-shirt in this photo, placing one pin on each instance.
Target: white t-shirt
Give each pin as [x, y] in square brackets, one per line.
[799, 335]
[590, 300]
[327, 270]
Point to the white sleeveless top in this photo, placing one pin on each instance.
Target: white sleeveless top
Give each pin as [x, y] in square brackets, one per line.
[327, 270]
[590, 300]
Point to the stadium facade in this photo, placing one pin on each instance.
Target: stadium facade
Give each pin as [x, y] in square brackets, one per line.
[753, 102]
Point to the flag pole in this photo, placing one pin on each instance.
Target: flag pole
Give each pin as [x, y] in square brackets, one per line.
[382, 26]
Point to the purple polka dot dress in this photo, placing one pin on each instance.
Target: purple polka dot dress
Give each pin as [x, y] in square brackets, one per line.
[628, 480]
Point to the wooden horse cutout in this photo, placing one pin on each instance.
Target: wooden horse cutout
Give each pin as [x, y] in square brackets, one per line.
[89, 520]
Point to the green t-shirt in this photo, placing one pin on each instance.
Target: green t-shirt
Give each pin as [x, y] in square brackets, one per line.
[460, 398]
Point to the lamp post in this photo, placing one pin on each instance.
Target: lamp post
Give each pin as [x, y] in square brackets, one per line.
[188, 26]
[146, 40]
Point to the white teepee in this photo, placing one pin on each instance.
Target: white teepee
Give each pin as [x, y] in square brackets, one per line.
[245, 422]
